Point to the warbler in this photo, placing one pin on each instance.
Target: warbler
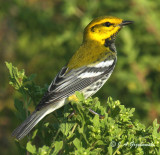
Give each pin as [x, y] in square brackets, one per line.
[87, 71]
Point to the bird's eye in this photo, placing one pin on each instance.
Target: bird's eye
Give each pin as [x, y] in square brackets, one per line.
[108, 24]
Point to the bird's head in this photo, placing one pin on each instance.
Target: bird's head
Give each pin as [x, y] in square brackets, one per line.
[103, 28]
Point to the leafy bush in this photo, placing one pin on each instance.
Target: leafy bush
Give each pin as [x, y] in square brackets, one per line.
[41, 36]
[83, 133]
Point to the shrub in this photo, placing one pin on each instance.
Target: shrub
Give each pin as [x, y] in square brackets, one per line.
[84, 133]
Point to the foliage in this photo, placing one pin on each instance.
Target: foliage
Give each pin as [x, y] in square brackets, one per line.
[41, 36]
[84, 133]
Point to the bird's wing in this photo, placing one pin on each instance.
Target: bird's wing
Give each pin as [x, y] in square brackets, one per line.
[67, 82]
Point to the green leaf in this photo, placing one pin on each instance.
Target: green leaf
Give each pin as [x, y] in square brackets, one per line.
[58, 146]
[96, 120]
[79, 96]
[34, 133]
[21, 112]
[77, 143]
[43, 150]
[16, 77]
[31, 148]
[18, 105]
[155, 128]
[66, 127]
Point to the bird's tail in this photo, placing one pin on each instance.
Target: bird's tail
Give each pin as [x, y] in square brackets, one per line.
[28, 124]
[34, 118]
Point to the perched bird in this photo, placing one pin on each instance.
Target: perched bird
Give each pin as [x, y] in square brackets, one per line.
[87, 71]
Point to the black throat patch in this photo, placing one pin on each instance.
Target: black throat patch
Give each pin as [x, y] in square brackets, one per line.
[110, 42]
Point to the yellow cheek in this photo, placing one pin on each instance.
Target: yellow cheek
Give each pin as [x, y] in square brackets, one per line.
[101, 34]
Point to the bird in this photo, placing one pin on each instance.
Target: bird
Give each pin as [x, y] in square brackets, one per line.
[87, 70]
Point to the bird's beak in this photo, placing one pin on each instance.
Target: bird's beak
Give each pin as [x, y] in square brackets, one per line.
[125, 22]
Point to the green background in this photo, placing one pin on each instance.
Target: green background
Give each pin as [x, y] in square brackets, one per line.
[41, 36]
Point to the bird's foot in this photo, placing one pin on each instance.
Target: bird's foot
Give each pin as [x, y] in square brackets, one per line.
[95, 113]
